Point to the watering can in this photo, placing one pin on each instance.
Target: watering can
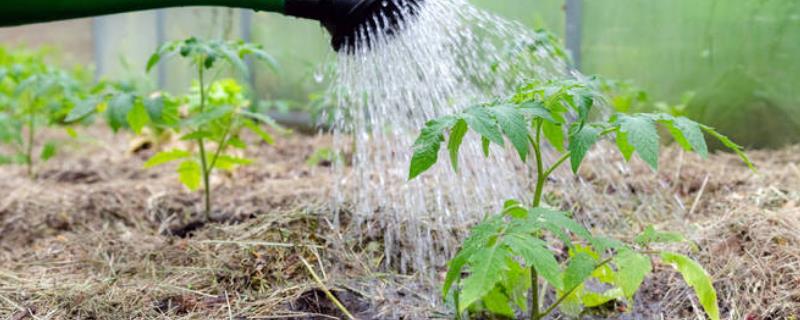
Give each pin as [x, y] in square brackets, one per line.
[342, 18]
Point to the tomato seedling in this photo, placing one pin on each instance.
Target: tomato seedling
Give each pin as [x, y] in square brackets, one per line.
[507, 255]
[215, 117]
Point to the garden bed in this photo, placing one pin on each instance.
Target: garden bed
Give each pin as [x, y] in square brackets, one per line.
[96, 236]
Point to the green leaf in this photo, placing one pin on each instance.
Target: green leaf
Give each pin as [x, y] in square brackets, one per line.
[208, 116]
[697, 278]
[427, 145]
[255, 128]
[688, 134]
[138, 117]
[48, 151]
[651, 235]
[191, 174]
[480, 120]
[593, 299]
[580, 141]
[487, 268]
[264, 119]
[81, 110]
[166, 157]
[228, 163]
[196, 135]
[535, 109]
[579, 269]
[457, 134]
[624, 145]
[513, 124]
[632, 269]
[536, 254]
[643, 136]
[485, 146]
[554, 134]
[498, 303]
[118, 109]
[556, 222]
[730, 145]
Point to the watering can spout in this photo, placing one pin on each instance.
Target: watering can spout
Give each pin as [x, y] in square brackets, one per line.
[342, 18]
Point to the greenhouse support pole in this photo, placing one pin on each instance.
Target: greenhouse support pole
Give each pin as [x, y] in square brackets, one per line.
[574, 30]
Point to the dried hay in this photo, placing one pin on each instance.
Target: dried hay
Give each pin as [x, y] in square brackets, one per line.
[98, 238]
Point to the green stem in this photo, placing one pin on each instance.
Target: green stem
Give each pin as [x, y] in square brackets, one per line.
[557, 164]
[221, 146]
[537, 200]
[534, 294]
[206, 170]
[561, 299]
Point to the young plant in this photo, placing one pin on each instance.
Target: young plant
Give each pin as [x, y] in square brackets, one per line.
[216, 115]
[507, 256]
[33, 95]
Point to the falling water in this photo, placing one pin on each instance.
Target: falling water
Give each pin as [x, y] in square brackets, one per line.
[448, 56]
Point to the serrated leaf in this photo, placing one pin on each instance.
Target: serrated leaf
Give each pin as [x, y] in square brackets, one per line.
[730, 145]
[138, 117]
[190, 174]
[579, 269]
[651, 235]
[580, 141]
[427, 145]
[535, 109]
[487, 266]
[556, 222]
[536, 254]
[624, 145]
[593, 299]
[643, 136]
[457, 134]
[632, 268]
[478, 238]
[513, 124]
[554, 133]
[480, 120]
[498, 303]
[166, 157]
[697, 278]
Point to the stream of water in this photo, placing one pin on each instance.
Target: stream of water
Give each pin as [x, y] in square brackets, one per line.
[449, 56]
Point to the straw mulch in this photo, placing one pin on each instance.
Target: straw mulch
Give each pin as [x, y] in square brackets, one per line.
[95, 236]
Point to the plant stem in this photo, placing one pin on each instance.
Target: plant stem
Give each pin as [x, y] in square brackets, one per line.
[561, 299]
[31, 137]
[206, 170]
[537, 200]
[534, 294]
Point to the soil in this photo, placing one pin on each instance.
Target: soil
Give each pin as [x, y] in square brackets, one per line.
[96, 236]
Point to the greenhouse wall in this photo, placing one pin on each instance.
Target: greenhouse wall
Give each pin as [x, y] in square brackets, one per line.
[737, 57]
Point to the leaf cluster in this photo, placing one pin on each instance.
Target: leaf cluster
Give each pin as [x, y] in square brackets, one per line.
[500, 253]
[560, 111]
[207, 53]
[35, 94]
[510, 247]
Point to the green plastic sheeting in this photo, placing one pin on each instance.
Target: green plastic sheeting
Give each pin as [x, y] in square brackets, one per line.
[739, 57]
